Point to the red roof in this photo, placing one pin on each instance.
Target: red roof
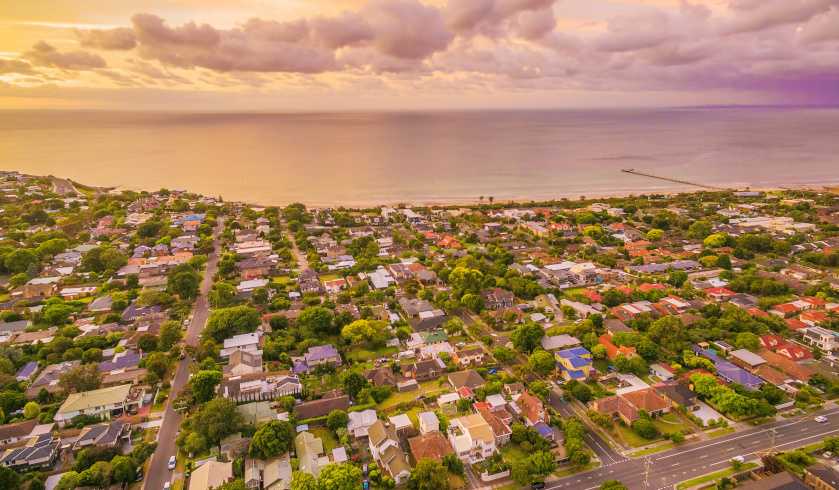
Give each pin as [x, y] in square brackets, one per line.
[720, 292]
[796, 324]
[647, 287]
[754, 311]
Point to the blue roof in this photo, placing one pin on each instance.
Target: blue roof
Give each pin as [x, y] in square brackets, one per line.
[729, 371]
[28, 370]
[543, 429]
[574, 374]
[573, 352]
[578, 362]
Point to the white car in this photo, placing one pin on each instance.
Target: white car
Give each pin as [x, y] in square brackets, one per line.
[821, 419]
[738, 459]
[172, 463]
[166, 485]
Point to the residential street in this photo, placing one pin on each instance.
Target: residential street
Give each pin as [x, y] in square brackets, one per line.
[158, 472]
[691, 460]
[601, 448]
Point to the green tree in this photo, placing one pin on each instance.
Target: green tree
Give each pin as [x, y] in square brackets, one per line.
[303, 481]
[353, 383]
[645, 428]
[272, 439]
[542, 362]
[103, 259]
[222, 295]
[429, 474]
[226, 322]
[124, 470]
[337, 419]
[699, 229]
[185, 283]
[203, 385]
[9, 478]
[157, 363]
[361, 331]
[655, 235]
[31, 410]
[317, 320]
[20, 260]
[216, 420]
[344, 476]
[747, 340]
[80, 378]
[170, 334]
[527, 336]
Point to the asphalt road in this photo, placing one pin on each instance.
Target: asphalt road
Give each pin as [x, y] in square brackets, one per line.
[691, 460]
[601, 448]
[159, 472]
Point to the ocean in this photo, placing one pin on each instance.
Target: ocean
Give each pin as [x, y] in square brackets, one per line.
[358, 159]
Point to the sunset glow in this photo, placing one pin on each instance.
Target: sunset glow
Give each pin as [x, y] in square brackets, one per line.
[371, 54]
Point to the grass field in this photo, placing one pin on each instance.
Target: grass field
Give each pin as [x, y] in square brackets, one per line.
[426, 388]
[652, 450]
[720, 432]
[714, 476]
[328, 438]
[362, 354]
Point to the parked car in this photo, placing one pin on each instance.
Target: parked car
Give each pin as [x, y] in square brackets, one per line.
[738, 459]
[172, 463]
[821, 419]
[166, 485]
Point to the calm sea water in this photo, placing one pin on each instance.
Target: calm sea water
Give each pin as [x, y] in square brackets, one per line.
[363, 158]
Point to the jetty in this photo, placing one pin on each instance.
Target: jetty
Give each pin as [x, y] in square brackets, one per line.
[669, 179]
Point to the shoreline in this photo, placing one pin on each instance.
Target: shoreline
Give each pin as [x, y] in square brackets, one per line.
[516, 200]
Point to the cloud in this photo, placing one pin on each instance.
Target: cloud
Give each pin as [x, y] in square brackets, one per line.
[757, 15]
[16, 66]
[823, 27]
[121, 38]
[44, 54]
[406, 28]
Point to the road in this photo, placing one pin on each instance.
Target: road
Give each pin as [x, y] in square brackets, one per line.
[604, 452]
[691, 460]
[302, 262]
[158, 472]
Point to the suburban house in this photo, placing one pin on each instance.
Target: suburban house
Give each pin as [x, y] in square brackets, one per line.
[468, 378]
[321, 407]
[532, 409]
[826, 340]
[38, 453]
[385, 449]
[273, 474]
[12, 433]
[428, 422]
[425, 370]
[360, 422]
[432, 445]
[316, 356]
[471, 355]
[247, 341]
[575, 363]
[557, 342]
[310, 455]
[628, 406]
[103, 435]
[260, 386]
[498, 299]
[472, 438]
[243, 362]
[103, 403]
[210, 475]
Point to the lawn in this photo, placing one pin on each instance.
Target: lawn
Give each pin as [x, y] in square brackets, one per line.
[670, 423]
[576, 469]
[426, 388]
[720, 432]
[328, 438]
[714, 476]
[362, 354]
[629, 437]
[281, 280]
[652, 450]
[329, 277]
[512, 453]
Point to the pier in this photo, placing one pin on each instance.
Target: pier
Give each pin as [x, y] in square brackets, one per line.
[668, 179]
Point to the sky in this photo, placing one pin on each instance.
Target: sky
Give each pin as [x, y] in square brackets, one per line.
[322, 55]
